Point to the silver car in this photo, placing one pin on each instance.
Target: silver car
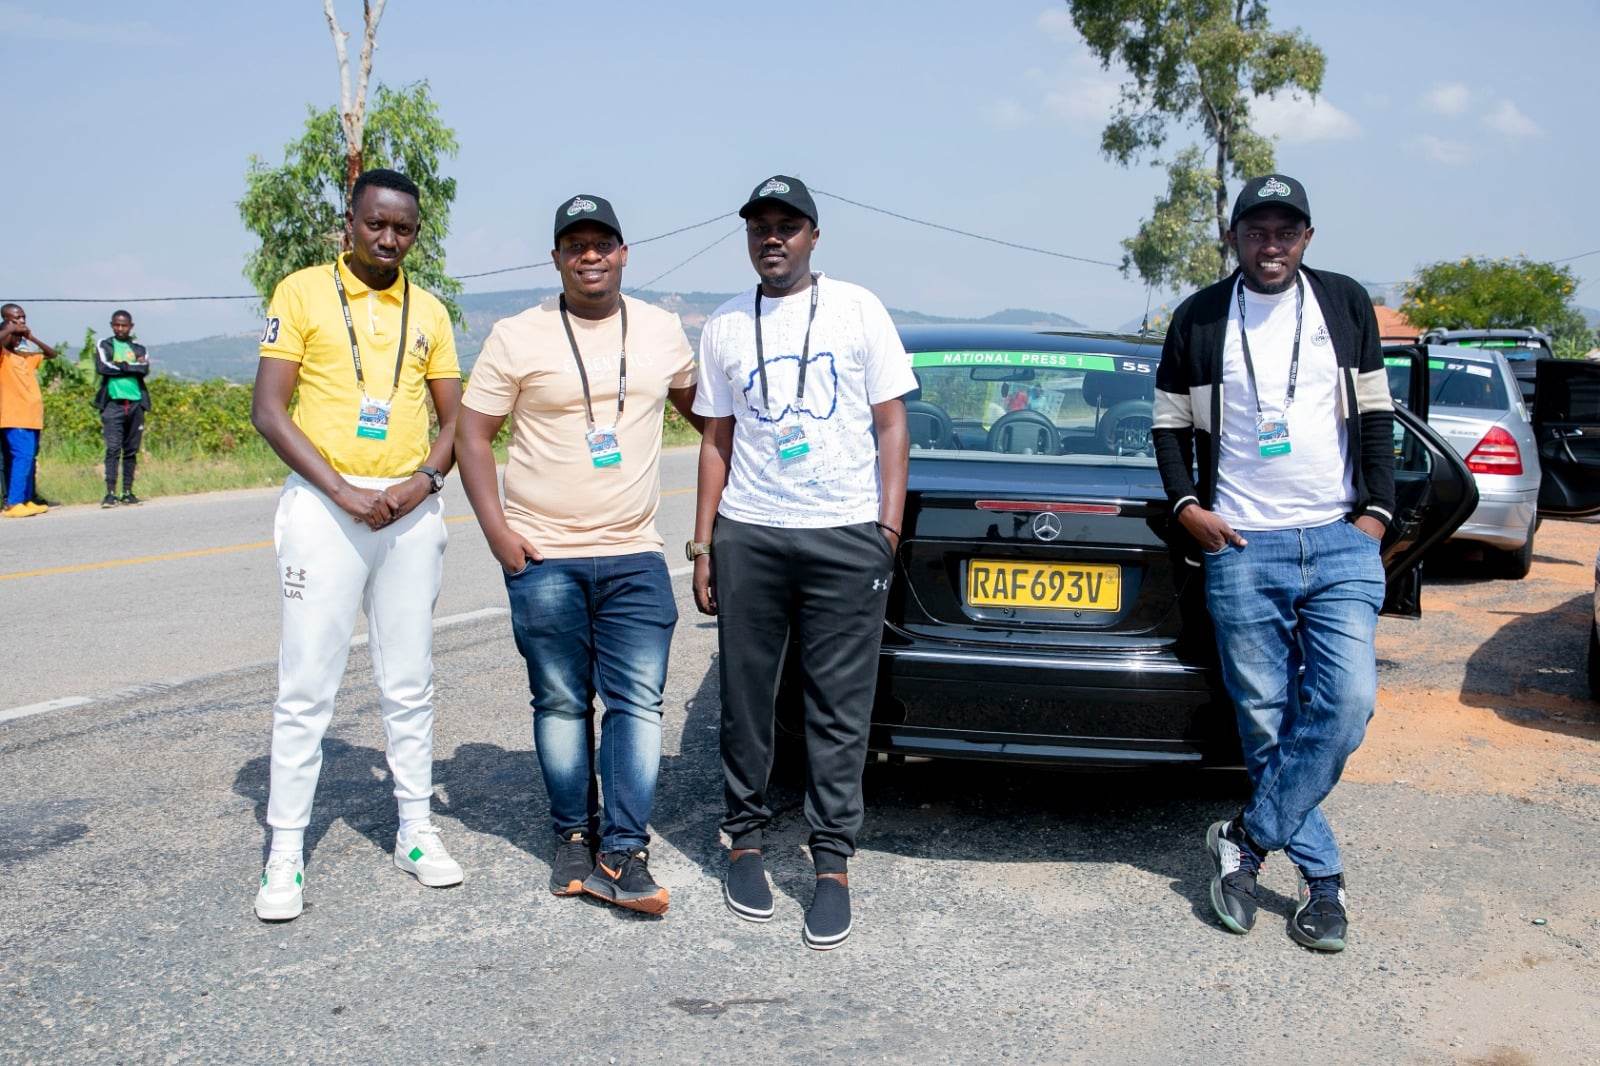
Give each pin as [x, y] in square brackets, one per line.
[1476, 405]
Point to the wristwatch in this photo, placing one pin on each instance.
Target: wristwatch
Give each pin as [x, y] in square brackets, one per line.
[435, 478]
[695, 548]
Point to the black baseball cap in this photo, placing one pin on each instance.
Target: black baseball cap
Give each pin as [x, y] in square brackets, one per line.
[586, 207]
[1270, 190]
[782, 189]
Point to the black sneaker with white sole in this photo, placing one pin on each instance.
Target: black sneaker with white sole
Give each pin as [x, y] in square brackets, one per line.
[571, 864]
[1320, 922]
[828, 918]
[1233, 888]
[745, 889]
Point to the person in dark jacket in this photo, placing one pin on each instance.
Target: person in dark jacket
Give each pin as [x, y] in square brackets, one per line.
[1272, 389]
[122, 400]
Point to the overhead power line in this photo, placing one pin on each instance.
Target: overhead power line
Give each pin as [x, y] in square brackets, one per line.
[1053, 253]
[969, 233]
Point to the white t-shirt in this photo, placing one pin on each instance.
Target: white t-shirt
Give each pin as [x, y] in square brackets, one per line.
[1311, 485]
[856, 360]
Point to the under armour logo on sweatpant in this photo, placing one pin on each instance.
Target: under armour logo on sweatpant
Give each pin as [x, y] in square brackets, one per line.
[879, 584]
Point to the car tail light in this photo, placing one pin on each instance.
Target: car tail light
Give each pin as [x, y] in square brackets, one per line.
[1496, 453]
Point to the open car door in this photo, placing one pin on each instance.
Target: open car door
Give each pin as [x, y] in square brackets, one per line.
[1434, 490]
[1566, 423]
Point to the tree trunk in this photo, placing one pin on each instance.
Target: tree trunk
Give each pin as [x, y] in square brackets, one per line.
[1223, 270]
[353, 107]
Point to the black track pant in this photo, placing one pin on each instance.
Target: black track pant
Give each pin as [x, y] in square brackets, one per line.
[122, 424]
[828, 587]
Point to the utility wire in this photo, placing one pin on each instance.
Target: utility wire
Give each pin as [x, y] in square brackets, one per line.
[969, 233]
[686, 262]
[633, 244]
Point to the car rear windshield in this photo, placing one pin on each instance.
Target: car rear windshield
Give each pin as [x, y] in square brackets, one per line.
[1452, 383]
[1514, 350]
[1079, 407]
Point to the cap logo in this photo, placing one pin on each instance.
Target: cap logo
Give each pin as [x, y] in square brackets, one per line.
[1274, 187]
[581, 206]
[773, 185]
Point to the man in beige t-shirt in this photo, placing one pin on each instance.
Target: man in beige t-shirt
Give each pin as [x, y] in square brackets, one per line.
[585, 378]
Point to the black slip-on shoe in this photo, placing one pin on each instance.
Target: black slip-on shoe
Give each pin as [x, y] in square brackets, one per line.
[108, 500]
[571, 864]
[623, 878]
[1233, 888]
[828, 917]
[1320, 922]
[130, 500]
[745, 889]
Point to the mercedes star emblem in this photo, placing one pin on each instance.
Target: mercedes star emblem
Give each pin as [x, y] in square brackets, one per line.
[1047, 526]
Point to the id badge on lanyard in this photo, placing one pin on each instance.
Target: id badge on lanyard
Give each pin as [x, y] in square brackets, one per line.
[372, 422]
[604, 448]
[791, 436]
[372, 417]
[1272, 436]
[792, 443]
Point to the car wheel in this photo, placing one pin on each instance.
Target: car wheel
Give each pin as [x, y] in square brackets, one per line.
[1516, 564]
[1594, 661]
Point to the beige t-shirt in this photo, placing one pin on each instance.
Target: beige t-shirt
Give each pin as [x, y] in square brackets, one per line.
[555, 495]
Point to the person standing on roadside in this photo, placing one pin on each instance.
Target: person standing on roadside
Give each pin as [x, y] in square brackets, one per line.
[122, 400]
[21, 409]
[802, 485]
[585, 378]
[1272, 382]
[359, 525]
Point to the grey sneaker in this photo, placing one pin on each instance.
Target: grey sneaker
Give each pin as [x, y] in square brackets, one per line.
[1233, 887]
[1320, 922]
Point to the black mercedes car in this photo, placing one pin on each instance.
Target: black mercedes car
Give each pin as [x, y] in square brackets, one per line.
[1042, 610]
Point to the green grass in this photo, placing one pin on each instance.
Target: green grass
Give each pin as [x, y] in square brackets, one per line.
[71, 476]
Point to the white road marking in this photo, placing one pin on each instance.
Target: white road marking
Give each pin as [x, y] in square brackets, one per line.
[151, 688]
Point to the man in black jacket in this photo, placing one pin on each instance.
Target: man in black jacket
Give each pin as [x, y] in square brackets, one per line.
[1273, 379]
[122, 400]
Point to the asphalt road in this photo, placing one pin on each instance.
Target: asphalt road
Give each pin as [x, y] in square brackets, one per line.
[1001, 914]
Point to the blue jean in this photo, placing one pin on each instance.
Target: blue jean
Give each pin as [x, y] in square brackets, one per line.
[603, 626]
[22, 445]
[1296, 614]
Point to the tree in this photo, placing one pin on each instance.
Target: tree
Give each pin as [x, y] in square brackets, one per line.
[297, 209]
[1485, 293]
[1193, 63]
[353, 108]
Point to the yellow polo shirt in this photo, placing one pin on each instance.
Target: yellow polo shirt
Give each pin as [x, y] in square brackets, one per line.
[305, 325]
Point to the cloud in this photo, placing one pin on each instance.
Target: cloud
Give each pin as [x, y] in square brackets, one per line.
[1447, 98]
[16, 21]
[1006, 114]
[1449, 153]
[1082, 99]
[1057, 23]
[1507, 118]
[1293, 118]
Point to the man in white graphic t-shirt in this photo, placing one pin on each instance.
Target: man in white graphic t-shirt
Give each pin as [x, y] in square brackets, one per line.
[802, 485]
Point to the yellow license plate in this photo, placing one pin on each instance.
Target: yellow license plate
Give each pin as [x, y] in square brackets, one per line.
[1050, 586]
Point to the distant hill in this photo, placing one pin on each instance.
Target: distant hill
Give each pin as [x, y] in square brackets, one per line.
[233, 356]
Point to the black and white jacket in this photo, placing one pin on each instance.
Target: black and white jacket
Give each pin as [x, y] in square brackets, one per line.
[1188, 399]
[108, 369]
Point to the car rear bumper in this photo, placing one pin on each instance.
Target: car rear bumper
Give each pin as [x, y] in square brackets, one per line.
[1129, 709]
[1501, 519]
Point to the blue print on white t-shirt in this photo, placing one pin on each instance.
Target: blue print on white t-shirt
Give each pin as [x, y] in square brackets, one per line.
[815, 390]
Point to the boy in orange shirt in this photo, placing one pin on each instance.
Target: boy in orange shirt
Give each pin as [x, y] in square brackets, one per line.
[21, 408]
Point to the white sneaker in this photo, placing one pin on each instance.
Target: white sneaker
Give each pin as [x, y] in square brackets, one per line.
[279, 897]
[423, 854]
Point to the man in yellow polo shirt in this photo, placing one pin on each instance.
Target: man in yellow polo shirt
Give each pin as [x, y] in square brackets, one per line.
[359, 525]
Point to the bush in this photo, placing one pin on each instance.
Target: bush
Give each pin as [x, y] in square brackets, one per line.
[205, 417]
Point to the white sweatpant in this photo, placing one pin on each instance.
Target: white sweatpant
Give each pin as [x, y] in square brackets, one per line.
[329, 564]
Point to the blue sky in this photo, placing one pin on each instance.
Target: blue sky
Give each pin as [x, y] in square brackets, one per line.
[1444, 129]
